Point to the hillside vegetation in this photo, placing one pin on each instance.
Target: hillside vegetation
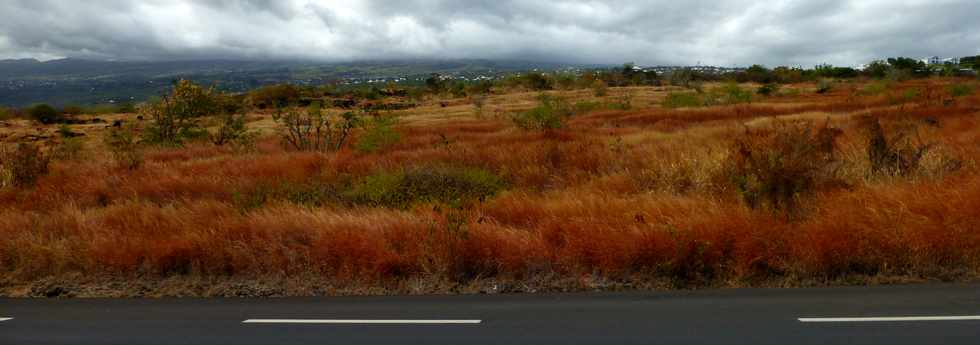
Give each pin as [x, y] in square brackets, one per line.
[514, 189]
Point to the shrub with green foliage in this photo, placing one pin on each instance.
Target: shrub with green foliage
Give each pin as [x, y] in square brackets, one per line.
[776, 167]
[876, 88]
[730, 93]
[682, 100]
[768, 89]
[71, 145]
[379, 134]
[45, 114]
[233, 130]
[599, 88]
[479, 101]
[824, 86]
[960, 90]
[175, 118]
[125, 147]
[275, 96]
[23, 165]
[898, 153]
[403, 189]
[313, 130]
[550, 113]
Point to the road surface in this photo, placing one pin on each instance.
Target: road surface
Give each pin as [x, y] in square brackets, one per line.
[918, 314]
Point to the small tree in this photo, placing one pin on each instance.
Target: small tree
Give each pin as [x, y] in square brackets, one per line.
[233, 131]
[379, 134]
[23, 165]
[778, 166]
[550, 113]
[599, 88]
[125, 147]
[312, 130]
[175, 117]
[479, 100]
[45, 114]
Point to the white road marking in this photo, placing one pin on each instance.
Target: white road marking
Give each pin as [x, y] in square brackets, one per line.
[2, 319]
[891, 319]
[362, 322]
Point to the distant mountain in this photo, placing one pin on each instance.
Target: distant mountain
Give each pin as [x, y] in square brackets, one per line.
[74, 81]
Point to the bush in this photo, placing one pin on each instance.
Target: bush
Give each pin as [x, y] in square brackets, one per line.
[774, 168]
[599, 88]
[6, 114]
[379, 134]
[45, 114]
[960, 90]
[72, 110]
[824, 86]
[275, 96]
[768, 89]
[174, 119]
[550, 113]
[423, 185]
[876, 88]
[897, 155]
[124, 146]
[312, 130]
[682, 100]
[479, 100]
[233, 131]
[23, 166]
[70, 147]
[731, 93]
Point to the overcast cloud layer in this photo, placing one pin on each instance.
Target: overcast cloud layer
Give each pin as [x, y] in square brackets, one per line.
[719, 32]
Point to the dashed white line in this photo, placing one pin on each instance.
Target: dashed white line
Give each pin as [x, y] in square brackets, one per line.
[891, 319]
[361, 322]
[2, 319]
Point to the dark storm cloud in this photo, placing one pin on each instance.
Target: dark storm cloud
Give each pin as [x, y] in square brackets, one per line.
[647, 32]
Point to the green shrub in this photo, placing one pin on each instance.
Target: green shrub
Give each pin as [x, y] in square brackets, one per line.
[625, 102]
[175, 118]
[682, 100]
[313, 130]
[768, 89]
[599, 88]
[876, 88]
[960, 90]
[479, 100]
[776, 167]
[403, 189]
[23, 165]
[550, 113]
[585, 106]
[379, 134]
[71, 145]
[824, 86]
[234, 131]
[275, 96]
[898, 153]
[731, 93]
[72, 110]
[45, 114]
[6, 114]
[125, 147]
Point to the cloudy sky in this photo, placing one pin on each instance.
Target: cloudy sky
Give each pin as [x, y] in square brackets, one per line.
[719, 32]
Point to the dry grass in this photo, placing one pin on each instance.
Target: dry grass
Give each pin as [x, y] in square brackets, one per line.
[636, 197]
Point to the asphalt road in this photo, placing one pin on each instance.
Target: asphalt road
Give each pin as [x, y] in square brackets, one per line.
[922, 314]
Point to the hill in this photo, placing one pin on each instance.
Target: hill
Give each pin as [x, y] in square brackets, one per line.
[74, 81]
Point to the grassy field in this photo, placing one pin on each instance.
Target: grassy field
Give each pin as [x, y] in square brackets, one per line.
[793, 189]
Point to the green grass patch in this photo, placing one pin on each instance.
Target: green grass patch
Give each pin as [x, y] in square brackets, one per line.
[682, 100]
[960, 90]
[402, 189]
